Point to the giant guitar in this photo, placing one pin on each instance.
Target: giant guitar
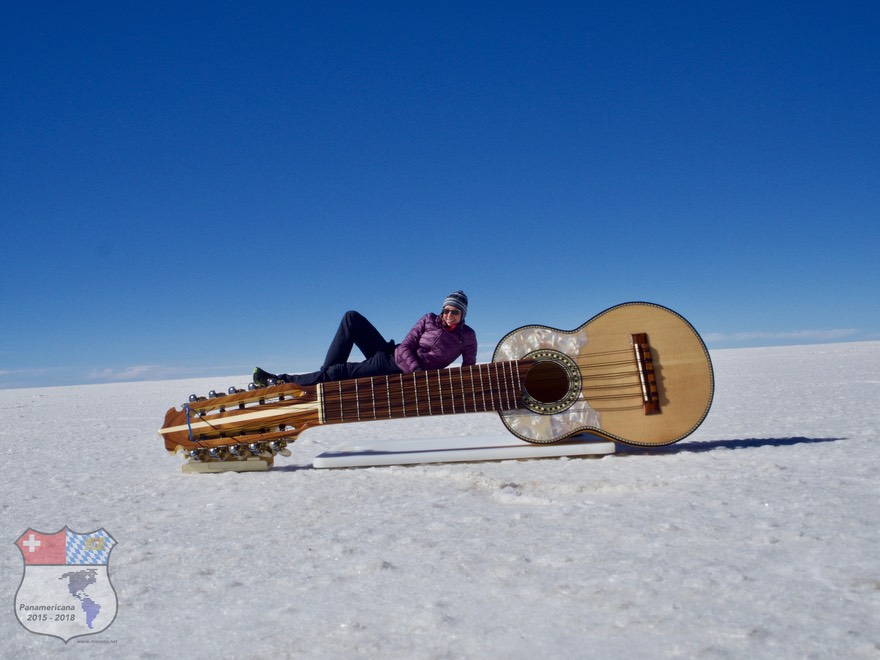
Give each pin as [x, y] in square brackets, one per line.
[637, 373]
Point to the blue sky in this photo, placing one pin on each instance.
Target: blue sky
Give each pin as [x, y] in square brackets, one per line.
[191, 189]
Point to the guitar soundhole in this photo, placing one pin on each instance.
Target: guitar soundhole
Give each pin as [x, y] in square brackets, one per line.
[552, 384]
[546, 382]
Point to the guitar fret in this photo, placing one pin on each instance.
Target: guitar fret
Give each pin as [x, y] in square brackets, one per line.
[373, 394]
[451, 390]
[357, 400]
[428, 393]
[416, 392]
[504, 367]
[502, 385]
[402, 396]
[508, 387]
[512, 390]
[440, 393]
[388, 391]
[341, 409]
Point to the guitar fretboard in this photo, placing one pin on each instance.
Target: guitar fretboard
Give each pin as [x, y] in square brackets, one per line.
[493, 386]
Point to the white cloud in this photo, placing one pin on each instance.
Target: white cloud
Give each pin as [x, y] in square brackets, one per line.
[23, 372]
[141, 372]
[795, 335]
[67, 375]
[133, 373]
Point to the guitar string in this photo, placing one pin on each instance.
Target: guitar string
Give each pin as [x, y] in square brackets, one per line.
[583, 362]
[633, 384]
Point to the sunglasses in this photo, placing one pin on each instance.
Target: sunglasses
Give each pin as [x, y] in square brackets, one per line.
[454, 312]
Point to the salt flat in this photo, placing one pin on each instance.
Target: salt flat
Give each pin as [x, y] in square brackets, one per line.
[758, 535]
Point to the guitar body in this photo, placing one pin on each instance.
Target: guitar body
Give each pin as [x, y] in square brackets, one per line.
[637, 373]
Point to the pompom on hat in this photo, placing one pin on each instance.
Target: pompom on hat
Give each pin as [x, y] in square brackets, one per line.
[457, 299]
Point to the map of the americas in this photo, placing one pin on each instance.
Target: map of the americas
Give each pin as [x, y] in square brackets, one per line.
[77, 581]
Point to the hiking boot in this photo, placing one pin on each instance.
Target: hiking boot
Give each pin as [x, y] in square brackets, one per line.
[262, 378]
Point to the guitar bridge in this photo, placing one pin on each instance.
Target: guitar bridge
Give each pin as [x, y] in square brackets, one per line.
[647, 379]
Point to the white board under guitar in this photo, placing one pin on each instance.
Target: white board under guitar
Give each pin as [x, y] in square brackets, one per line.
[377, 452]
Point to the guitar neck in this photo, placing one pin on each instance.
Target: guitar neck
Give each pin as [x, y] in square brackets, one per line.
[491, 387]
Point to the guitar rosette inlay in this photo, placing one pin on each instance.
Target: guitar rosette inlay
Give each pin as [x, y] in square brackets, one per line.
[552, 384]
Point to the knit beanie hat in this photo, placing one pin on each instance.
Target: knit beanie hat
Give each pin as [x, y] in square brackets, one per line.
[457, 299]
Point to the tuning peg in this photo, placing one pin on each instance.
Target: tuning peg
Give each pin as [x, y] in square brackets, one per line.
[213, 394]
[217, 453]
[237, 451]
[196, 454]
[257, 448]
[233, 390]
[279, 447]
[195, 397]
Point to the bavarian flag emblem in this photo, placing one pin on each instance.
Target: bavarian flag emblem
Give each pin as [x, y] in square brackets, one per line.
[65, 591]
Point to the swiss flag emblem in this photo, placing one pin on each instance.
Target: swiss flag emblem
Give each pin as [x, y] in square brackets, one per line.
[40, 548]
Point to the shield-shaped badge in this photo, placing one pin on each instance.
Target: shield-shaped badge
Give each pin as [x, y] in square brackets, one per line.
[65, 591]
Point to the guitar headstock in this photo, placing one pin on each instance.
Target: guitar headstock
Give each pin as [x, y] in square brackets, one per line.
[241, 423]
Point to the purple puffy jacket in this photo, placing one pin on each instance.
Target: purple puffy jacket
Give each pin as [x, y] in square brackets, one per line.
[431, 346]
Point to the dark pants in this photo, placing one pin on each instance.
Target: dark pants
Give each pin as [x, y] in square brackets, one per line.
[354, 330]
